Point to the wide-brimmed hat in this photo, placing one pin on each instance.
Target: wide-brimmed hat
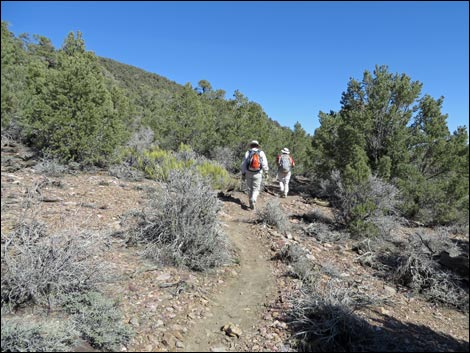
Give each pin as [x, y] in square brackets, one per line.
[285, 150]
[254, 143]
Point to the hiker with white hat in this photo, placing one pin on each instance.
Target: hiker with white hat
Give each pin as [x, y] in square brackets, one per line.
[253, 165]
[285, 163]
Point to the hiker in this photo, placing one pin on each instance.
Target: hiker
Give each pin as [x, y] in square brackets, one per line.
[253, 165]
[285, 163]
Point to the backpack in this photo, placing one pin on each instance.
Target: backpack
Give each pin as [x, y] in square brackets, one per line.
[285, 163]
[254, 161]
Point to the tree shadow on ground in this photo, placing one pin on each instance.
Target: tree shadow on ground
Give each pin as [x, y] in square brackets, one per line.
[273, 188]
[348, 332]
[400, 336]
[312, 217]
[301, 186]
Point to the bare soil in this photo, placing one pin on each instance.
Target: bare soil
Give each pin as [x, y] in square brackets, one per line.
[242, 299]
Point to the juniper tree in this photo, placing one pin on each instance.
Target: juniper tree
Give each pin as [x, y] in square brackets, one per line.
[405, 140]
[14, 70]
[74, 116]
[439, 194]
[300, 145]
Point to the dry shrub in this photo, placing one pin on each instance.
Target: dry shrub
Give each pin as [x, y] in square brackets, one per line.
[413, 262]
[126, 172]
[142, 139]
[419, 270]
[98, 319]
[358, 206]
[380, 251]
[21, 335]
[324, 320]
[319, 215]
[226, 157]
[290, 253]
[181, 227]
[51, 167]
[39, 267]
[299, 265]
[324, 234]
[273, 215]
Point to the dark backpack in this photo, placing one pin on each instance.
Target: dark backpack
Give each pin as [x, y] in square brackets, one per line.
[285, 163]
[254, 161]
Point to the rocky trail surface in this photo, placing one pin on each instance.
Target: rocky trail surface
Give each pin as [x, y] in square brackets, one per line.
[238, 306]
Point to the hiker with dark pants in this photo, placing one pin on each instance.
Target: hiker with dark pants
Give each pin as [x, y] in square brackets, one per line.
[285, 163]
[253, 165]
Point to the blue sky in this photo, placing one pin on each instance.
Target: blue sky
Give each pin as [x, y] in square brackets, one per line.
[293, 58]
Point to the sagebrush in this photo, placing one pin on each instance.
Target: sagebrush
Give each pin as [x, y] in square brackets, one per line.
[39, 267]
[273, 215]
[324, 319]
[358, 205]
[98, 319]
[22, 335]
[181, 226]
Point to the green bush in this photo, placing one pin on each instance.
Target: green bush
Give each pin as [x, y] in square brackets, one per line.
[157, 164]
[434, 202]
[220, 178]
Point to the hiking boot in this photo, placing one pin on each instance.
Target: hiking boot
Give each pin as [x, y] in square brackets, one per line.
[252, 205]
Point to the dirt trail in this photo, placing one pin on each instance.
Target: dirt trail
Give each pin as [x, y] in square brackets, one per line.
[241, 298]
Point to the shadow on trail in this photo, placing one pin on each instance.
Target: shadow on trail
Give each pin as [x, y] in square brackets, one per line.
[229, 198]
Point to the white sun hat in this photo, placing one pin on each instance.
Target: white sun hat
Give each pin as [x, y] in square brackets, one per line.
[285, 150]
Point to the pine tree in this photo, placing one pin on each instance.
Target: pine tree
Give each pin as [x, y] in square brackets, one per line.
[13, 75]
[73, 116]
[382, 125]
[300, 145]
[439, 162]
